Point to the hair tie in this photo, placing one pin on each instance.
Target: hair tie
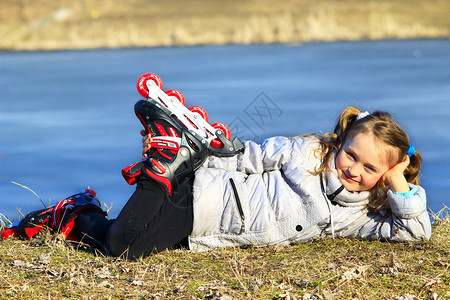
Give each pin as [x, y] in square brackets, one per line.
[411, 150]
[362, 115]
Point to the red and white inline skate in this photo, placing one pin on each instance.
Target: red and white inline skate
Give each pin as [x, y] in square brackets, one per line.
[182, 137]
[169, 108]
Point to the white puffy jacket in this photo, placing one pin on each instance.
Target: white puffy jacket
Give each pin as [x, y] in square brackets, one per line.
[267, 195]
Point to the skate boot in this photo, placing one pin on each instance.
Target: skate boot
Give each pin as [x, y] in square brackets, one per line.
[168, 110]
[170, 172]
[57, 218]
[166, 133]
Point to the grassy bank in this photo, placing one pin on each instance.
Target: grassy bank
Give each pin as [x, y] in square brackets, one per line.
[66, 24]
[324, 269]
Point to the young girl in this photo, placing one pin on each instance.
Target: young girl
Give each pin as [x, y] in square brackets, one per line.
[360, 181]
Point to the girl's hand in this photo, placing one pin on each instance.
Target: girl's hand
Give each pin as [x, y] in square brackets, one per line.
[146, 140]
[394, 177]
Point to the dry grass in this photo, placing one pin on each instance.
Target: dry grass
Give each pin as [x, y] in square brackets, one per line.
[343, 269]
[51, 24]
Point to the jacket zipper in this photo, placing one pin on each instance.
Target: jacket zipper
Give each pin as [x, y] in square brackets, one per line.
[238, 203]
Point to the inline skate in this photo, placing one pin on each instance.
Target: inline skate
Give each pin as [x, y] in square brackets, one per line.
[182, 137]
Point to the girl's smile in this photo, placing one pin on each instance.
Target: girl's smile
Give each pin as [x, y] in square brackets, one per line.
[361, 162]
[348, 178]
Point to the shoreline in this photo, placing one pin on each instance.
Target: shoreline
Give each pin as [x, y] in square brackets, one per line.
[221, 45]
[109, 45]
[88, 24]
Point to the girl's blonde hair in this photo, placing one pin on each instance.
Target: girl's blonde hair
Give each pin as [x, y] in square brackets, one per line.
[381, 125]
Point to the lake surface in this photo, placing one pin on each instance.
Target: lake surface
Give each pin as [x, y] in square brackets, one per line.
[67, 120]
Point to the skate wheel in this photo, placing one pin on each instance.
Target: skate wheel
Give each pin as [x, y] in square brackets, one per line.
[201, 111]
[177, 94]
[216, 143]
[142, 83]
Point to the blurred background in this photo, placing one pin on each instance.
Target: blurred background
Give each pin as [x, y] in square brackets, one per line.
[68, 72]
[67, 24]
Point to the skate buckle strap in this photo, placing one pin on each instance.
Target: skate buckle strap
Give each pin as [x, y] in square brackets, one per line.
[58, 213]
[157, 167]
[163, 132]
[131, 172]
[171, 143]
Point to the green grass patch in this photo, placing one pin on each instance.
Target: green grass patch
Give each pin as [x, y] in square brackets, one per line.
[49, 267]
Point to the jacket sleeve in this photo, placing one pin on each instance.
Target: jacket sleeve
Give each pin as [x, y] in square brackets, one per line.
[272, 154]
[408, 219]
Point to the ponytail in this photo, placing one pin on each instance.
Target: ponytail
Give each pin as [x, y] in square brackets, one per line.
[412, 172]
[332, 141]
[346, 119]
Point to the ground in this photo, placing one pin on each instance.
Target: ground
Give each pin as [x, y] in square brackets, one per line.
[49, 267]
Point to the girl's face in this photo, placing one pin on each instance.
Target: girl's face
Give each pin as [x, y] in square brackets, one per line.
[361, 162]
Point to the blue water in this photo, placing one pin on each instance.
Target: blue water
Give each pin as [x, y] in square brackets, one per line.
[67, 121]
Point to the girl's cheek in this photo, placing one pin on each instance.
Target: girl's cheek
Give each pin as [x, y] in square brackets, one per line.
[341, 162]
[374, 180]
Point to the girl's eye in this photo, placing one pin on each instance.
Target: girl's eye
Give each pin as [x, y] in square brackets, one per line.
[371, 169]
[350, 155]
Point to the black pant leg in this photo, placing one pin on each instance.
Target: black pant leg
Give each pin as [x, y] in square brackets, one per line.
[91, 228]
[150, 221]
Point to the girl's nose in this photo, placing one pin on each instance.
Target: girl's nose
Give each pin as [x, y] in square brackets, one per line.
[354, 170]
